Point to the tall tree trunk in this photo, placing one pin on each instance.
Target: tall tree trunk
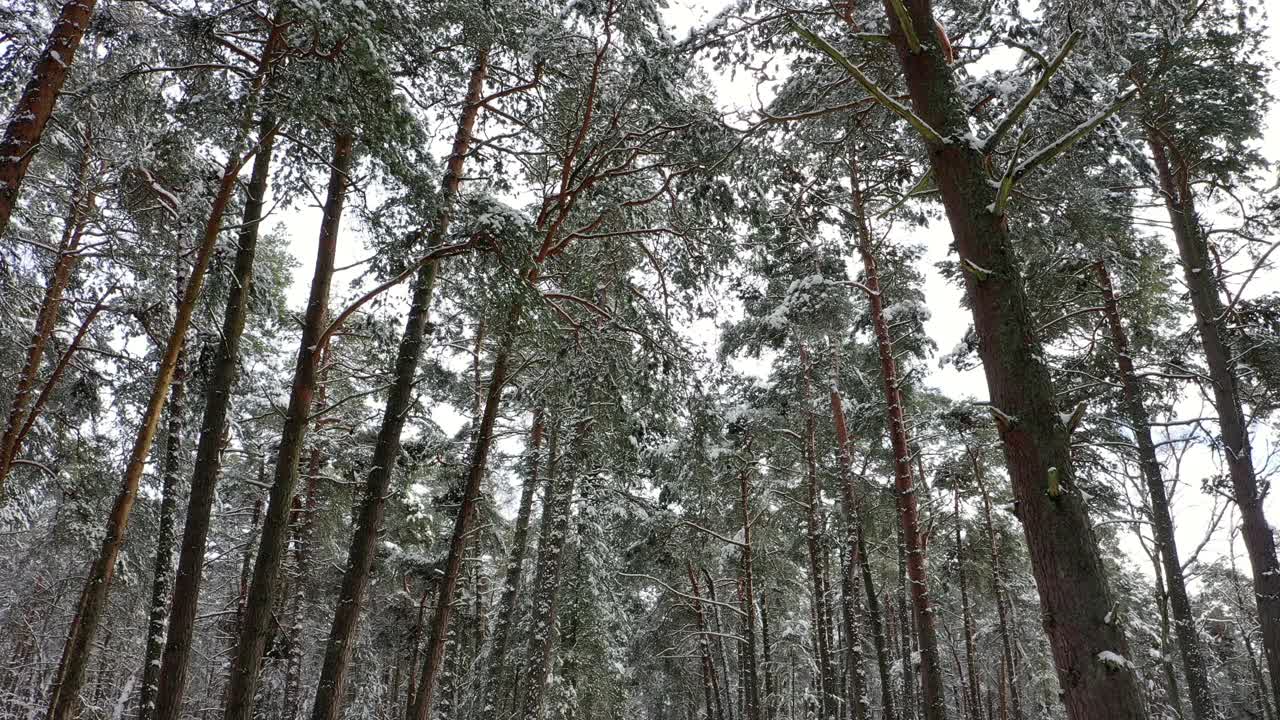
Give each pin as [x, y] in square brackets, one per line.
[751, 707]
[1001, 593]
[1202, 285]
[850, 603]
[243, 681]
[411, 684]
[515, 566]
[31, 114]
[163, 567]
[1166, 658]
[710, 683]
[1193, 663]
[302, 523]
[481, 444]
[64, 695]
[1074, 595]
[82, 201]
[551, 547]
[970, 651]
[770, 700]
[1260, 680]
[828, 701]
[246, 560]
[217, 402]
[905, 628]
[876, 617]
[720, 645]
[355, 579]
[931, 685]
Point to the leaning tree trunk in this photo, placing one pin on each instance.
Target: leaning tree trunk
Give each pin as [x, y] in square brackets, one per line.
[302, 522]
[1174, 694]
[917, 563]
[550, 222]
[64, 696]
[219, 388]
[82, 201]
[481, 445]
[410, 684]
[364, 540]
[1202, 285]
[1089, 652]
[31, 114]
[213, 426]
[163, 566]
[243, 681]
[1193, 661]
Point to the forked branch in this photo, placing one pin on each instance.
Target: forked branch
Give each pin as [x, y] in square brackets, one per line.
[926, 131]
[1036, 88]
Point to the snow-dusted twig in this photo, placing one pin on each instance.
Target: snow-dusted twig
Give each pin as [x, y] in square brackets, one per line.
[714, 534]
[691, 598]
[1059, 146]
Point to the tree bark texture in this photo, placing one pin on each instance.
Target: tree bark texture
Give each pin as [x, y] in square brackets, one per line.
[1074, 595]
[243, 681]
[35, 106]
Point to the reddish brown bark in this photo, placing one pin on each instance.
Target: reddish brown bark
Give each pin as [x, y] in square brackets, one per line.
[31, 114]
[1075, 598]
[256, 625]
[1176, 179]
[64, 696]
[1193, 662]
[217, 400]
[555, 212]
[208, 463]
[355, 580]
[931, 683]
[82, 201]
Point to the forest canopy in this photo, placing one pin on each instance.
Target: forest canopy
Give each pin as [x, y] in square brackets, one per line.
[595, 359]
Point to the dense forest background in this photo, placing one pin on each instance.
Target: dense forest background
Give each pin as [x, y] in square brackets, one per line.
[530, 359]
